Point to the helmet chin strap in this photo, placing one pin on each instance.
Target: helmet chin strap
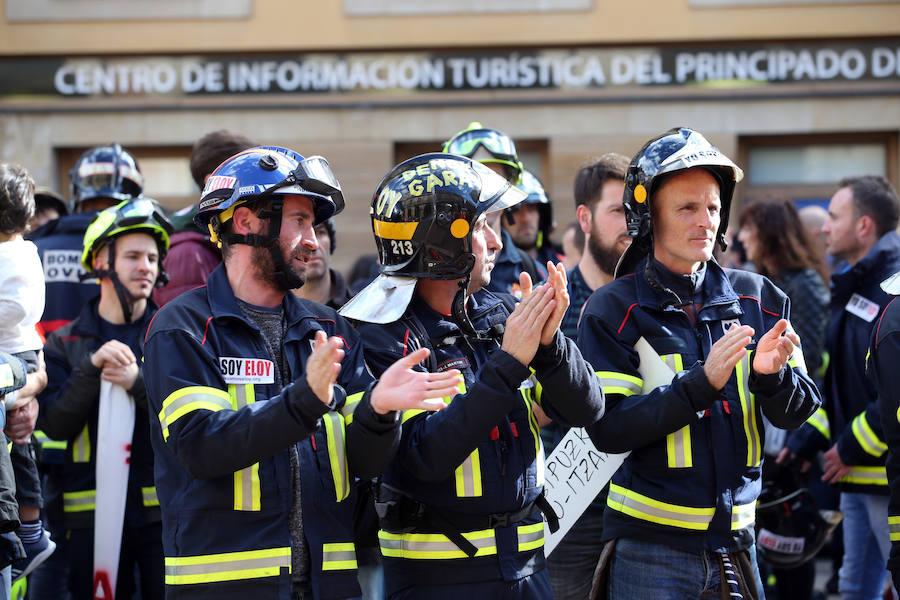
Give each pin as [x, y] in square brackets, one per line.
[126, 302]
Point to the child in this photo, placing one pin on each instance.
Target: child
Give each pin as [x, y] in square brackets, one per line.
[21, 306]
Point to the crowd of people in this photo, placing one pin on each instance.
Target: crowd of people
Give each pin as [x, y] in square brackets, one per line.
[199, 405]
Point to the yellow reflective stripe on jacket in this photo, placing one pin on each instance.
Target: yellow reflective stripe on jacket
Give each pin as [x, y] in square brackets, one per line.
[149, 496]
[866, 476]
[47, 443]
[81, 447]
[748, 411]
[678, 444]
[894, 528]
[535, 429]
[434, 545]
[620, 383]
[743, 515]
[231, 566]
[79, 501]
[538, 395]
[338, 556]
[350, 405]
[335, 439]
[530, 536]
[819, 420]
[865, 437]
[246, 481]
[197, 397]
[468, 476]
[646, 508]
[409, 414]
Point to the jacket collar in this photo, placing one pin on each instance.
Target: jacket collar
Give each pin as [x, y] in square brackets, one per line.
[714, 291]
[878, 263]
[223, 304]
[88, 322]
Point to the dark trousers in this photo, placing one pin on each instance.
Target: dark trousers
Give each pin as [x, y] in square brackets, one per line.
[141, 548]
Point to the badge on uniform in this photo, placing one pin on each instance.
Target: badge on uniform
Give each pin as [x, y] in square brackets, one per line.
[247, 370]
[729, 323]
[863, 308]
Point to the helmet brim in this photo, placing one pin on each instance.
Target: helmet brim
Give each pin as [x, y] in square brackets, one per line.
[382, 301]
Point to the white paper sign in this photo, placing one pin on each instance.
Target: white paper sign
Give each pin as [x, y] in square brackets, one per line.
[574, 474]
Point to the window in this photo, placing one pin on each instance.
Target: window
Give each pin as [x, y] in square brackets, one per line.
[807, 168]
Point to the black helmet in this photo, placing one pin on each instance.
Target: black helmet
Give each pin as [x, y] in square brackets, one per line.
[678, 149]
[422, 214]
[424, 209]
[106, 172]
[536, 195]
[790, 529]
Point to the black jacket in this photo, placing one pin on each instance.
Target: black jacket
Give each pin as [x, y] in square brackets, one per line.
[481, 455]
[69, 408]
[694, 472]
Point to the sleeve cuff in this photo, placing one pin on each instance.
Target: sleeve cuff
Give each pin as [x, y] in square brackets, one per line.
[510, 370]
[366, 416]
[551, 354]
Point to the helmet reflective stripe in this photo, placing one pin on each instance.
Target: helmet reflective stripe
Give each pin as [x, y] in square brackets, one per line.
[106, 172]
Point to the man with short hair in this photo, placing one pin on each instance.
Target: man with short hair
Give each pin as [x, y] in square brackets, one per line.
[122, 248]
[860, 231]
[691, 357]
[323, 284]
[601, 217]
[263, 409]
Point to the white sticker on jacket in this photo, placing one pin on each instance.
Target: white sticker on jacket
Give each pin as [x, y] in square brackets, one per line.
[247, 370]
[863, 308]
[729, 323]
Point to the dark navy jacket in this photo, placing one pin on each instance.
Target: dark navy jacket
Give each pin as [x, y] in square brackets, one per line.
[693, 475]
[882, 365]
[482, 454]
[850, 417]
[69, 407]
[221, 433]
[59, 245]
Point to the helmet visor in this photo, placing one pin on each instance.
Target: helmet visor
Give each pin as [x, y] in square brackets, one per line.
[140, 211]
[312, 175]
[496, 192]
[467, 143]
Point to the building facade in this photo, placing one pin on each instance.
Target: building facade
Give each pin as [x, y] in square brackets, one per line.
[802, 93]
